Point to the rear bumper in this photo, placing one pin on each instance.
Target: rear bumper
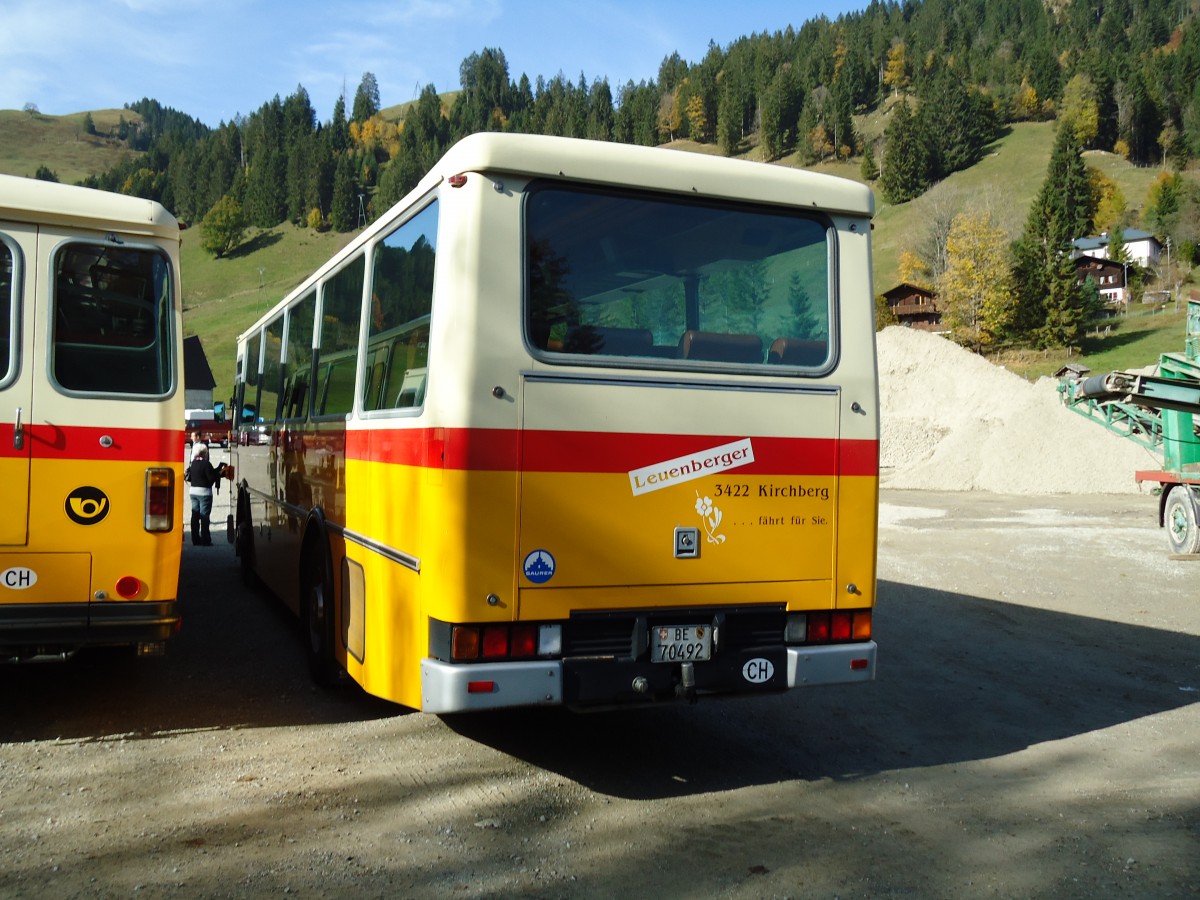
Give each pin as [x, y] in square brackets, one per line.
[33, 629]
[832, 664]
[447, 688]
[599, 682]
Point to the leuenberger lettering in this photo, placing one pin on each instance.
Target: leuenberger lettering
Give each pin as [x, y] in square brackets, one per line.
[793, 490]
[676, 471]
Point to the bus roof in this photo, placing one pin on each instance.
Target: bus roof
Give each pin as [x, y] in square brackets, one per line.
[653, 168]
[49, 203]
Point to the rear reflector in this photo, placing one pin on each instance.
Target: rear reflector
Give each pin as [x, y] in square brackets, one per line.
[860, 664]
[481, 687]
[128, 587]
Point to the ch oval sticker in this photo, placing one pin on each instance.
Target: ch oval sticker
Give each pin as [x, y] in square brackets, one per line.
[18, 578]
[758, 670]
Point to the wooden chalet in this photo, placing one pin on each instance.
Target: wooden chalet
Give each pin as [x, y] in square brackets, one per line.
[1108, 275]
[914, 307]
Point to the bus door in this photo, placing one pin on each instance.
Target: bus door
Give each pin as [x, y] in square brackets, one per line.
[18, 274]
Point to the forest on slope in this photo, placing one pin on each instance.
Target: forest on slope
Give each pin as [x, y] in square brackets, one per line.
[906, 93]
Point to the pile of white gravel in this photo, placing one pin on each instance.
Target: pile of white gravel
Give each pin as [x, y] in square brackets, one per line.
[952, 421]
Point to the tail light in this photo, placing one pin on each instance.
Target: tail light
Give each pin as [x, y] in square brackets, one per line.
[835, 626]
[504, 641]
[160, 499]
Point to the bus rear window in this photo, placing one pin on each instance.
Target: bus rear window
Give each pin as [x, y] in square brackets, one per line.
[112, 320]
[681, 283]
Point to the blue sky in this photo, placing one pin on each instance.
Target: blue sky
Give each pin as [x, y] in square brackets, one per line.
[214, 59]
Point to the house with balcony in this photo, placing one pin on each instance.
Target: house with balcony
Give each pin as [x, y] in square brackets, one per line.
[914, 307]
[1110, 277]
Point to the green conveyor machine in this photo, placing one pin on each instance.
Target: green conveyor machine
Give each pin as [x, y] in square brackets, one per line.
[1160, 412]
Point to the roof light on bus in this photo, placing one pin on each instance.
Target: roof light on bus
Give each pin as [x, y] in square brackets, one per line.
[160, 499]
[128, 587]
[457, 181]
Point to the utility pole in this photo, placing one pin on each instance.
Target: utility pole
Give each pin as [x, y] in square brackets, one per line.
[362, 211]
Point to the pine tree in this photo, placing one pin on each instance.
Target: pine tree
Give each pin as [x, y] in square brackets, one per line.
[1066, 306]
[343, 214]
[366, 98]
[867, 169]
[905, 172]
[1050, 303]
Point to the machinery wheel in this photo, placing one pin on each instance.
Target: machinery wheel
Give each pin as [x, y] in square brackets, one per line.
[1179, 518]
[316, 605]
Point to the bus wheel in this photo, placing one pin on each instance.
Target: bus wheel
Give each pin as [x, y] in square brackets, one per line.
[317, 610]
[1179, 517]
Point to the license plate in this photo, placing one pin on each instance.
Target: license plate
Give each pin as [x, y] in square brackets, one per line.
[680, 643]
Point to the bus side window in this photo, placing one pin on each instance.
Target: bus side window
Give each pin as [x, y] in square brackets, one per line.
[6, 311]
[298, 367]
[268, 404]
[374, 383]
[337, 348]
[401, 302]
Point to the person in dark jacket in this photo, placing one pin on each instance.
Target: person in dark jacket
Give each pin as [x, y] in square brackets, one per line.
[201, 476]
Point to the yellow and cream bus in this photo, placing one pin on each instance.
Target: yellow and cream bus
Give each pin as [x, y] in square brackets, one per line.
[575, 423]
[91, 413]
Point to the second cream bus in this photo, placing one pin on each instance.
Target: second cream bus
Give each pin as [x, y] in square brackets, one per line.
[575, 423]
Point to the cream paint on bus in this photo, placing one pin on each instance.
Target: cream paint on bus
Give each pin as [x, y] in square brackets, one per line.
[91, 401]
[584, 428]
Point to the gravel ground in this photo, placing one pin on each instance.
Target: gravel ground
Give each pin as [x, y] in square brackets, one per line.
[1032, 733]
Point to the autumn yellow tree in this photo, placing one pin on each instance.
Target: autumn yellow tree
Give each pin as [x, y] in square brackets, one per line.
[914, 269]
[1081, 109]
[1026, 105]
[975, 292]
[895, 74]
[1110, 201]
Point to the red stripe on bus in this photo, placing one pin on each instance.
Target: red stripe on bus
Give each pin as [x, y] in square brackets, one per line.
[586, 451]
[79, 442]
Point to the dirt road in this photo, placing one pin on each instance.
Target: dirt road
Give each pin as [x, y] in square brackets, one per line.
[1033, 732]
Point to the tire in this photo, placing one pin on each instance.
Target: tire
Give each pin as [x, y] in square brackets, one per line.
[1179, 518]
[316, 605]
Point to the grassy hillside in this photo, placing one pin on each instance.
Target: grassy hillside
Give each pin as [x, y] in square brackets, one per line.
[60, 143]
[223, 297]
